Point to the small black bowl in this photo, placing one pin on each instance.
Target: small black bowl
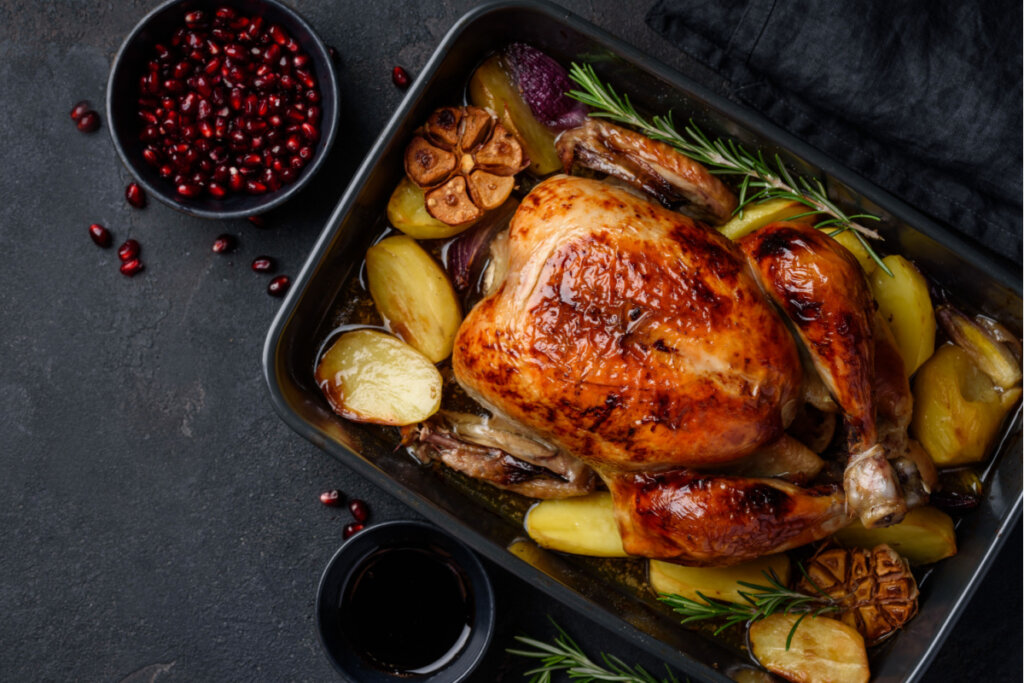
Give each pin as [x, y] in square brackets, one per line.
[123, 93]
[401, 534]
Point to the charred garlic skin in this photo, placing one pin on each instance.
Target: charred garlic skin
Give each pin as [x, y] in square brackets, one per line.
[465, 161]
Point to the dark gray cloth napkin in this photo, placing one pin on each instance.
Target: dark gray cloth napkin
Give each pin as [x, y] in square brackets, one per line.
[923, 97]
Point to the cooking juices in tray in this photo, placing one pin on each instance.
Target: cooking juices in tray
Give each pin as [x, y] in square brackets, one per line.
[458, 168]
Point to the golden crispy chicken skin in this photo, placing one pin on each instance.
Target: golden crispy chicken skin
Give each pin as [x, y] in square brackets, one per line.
[629, 335]
[822, 290]
[703, 519]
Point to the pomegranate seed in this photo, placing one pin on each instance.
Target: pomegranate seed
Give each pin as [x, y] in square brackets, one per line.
[400, 77]
[279, 285]
[224, 244]
[309, 131]
[351, 530]
[151, 156]
[189, 190]
[79, 110]
[193, 19]
[216, 190]
[259, 222]
[129, 250]
[132, 267]
[277, 34]
[333, 498]
[89, 122]
[332, 52]
[360, 512]
[255, 187]
[135, 195]
[262, 264]
[225, 13]
[100, 235]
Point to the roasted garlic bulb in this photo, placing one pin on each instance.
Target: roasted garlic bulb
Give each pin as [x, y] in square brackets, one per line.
[466, 163]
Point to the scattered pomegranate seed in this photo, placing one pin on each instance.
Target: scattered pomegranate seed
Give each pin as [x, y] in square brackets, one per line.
[333, 498]
[351, 530]
[89, 122]
[333, 52]
[400, 77]
[129, 250]
[224, 244]
[217, 96]
[79, 110]
[100, 235]
[135, 195]
[263, 264]
[360, 511]
[132, 267]
[258, 221]
[279, 285]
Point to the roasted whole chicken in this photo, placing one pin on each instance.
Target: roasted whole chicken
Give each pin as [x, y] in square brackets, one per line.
[671, 361]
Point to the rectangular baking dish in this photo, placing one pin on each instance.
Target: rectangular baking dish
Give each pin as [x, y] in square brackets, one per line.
[490, 521]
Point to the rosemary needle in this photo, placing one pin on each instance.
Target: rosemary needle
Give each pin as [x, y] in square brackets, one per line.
[761, 179]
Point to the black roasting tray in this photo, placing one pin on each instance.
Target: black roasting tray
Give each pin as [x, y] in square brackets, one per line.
[490, 521]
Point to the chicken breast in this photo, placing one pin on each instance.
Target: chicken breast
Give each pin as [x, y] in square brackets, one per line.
[629, 335]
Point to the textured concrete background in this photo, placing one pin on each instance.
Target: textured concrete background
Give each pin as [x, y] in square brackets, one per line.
[158, 520]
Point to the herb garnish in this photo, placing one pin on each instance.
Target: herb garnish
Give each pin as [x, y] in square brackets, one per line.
[762, 601]
[565, 655]
[761, 180]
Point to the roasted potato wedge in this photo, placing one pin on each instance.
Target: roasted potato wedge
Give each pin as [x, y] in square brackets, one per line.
[370, 376]
[761, 214]
[719, 583]
[413, 295]
[583, 526]
[823, 650]
[904, 302]
[491, 87]
[408, 212]
[957, 408]
[924, 536]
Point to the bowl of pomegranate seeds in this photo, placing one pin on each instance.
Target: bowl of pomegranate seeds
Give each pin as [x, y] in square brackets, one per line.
[222, 109]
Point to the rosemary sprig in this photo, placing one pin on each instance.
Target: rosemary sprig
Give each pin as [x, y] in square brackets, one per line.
[565, 655]
[761, 600]
[761, 179]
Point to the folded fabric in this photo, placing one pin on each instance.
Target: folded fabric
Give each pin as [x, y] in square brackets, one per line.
[923, 97]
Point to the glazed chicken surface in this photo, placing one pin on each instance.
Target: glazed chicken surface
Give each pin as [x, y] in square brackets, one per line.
[643, 343]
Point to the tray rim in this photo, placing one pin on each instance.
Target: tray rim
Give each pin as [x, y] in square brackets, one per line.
[1001, 270]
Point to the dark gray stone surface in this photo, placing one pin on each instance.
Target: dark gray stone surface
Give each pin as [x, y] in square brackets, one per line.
[158, 517]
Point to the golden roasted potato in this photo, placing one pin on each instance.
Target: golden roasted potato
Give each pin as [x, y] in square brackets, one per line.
[904, 302]
[719, 583]
[848, 239]
[370, 376]
[582, 526]
[408, 213]
[823, 650]
[761, 214]
[957, 408]
[924, 536]
[413, 295]
[492, 88]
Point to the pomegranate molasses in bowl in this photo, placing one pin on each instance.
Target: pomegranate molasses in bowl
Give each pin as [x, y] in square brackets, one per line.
[222, 109]
[330, 301]
[403, 600]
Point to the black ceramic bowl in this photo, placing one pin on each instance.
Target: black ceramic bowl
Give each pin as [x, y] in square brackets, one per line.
[340, 571]
[123, 93]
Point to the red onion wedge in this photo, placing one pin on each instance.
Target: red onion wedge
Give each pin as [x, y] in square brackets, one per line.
[543, 83]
